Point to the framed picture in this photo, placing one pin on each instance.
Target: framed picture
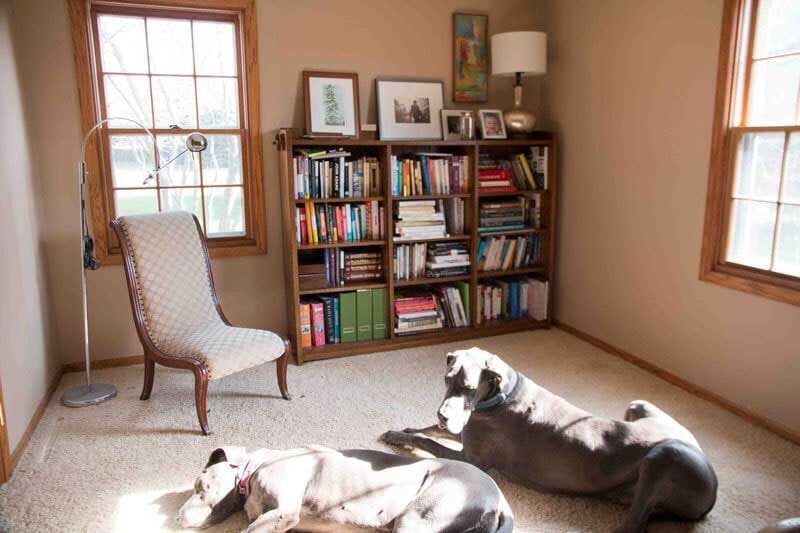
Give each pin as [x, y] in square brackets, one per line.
[492, 125]
[331, 103]
[470, 57]
[452, 125]
[409, 109]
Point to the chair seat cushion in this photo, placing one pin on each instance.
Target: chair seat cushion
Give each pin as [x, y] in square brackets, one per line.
[224, 349]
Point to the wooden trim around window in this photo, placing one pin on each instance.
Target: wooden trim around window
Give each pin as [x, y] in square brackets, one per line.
[106, 247]
[713, 266]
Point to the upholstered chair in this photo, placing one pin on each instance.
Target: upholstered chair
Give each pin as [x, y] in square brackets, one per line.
[176, 311]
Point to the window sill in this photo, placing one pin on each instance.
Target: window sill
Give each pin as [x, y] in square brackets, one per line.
[215, 252]
[758, 283]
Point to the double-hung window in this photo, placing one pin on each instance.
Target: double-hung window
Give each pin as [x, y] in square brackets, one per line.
[176, 70]
[752, 232]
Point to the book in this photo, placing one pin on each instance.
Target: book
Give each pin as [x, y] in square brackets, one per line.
[318, 323]
[379, 314]
[364, 315]
[305, 325]
[347, 316]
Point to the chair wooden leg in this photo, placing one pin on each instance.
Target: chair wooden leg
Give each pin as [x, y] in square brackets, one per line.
[200, 394]
[149, 376]
[281, 365]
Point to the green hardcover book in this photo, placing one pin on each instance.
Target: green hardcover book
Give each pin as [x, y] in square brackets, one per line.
[347, 316]
[364, 315]
[463, 288]
[378, 314]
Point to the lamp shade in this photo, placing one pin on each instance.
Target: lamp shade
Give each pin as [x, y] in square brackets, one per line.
[519, 51]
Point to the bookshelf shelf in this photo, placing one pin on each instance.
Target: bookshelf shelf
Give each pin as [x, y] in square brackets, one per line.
[430, 281]
[343, 288]
[348, 244]
[289, 142]
[486, 274]
[339, 200]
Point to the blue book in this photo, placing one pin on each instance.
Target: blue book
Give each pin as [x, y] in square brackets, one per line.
[337, 327]
[426, 177]
[327, 267]
[513, 296]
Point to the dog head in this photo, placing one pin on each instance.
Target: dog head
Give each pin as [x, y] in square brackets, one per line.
[216, 495]
[472, 376]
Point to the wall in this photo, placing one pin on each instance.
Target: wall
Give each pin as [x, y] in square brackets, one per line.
[27, 363]
[631, 91]
[381, 37]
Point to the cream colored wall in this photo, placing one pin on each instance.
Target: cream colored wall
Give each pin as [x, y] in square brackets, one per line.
[27, 361]
[631, 91]
[381, 37]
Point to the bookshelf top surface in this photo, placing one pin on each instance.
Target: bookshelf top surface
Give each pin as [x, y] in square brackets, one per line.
[369, 139]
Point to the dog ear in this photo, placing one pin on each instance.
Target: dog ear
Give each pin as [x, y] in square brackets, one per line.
[232, 454]
[450, 358]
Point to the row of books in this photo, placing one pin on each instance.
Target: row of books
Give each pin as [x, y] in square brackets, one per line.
[509, 215]
[328, 223]
[346, 317]
[522, 172]
[429, 309]
[328, 174]
[430, 173]
[513, 298]
[504, 253]
[419, 219]
[437, 260]
[345, 266]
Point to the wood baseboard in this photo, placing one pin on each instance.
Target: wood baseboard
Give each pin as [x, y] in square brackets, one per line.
[105, 363]
[35, 419]
[770, 425]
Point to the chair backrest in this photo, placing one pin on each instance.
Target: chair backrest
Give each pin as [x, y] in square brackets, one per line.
[166, 257]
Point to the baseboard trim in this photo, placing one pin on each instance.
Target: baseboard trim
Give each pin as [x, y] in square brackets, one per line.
[770, 425]
[34, 422]
[112, 362]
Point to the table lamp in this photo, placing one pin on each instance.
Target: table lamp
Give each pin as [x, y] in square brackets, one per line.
[517, 53]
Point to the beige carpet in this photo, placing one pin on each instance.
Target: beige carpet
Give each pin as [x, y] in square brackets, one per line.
[127, 465]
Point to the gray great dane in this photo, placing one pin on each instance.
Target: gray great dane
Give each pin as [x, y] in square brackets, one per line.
[319, 489]
[538, 439]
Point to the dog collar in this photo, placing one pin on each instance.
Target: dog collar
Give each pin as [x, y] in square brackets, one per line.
[499, 398]
[243, 485]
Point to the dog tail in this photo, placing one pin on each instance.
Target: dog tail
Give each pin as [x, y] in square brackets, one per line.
[505, 517]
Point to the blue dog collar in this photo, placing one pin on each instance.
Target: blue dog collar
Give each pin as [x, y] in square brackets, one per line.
[499, 398]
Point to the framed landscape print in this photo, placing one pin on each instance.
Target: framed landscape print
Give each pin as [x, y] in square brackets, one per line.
[409, 110]
[331, 100]
[470, 57]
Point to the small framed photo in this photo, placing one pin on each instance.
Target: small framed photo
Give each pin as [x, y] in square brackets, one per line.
[492, 125]
[452, 125]
[331, 100]
[409, 109]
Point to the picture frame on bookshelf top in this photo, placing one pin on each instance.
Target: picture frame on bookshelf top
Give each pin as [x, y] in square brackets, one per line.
[331, 104]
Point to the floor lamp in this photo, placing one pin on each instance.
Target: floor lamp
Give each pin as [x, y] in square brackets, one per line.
[94, 393]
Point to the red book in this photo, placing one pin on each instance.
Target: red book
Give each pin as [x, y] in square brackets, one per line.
[303, 230]
[318, 323]
[340, 224]
[494, 174]
[498, 189]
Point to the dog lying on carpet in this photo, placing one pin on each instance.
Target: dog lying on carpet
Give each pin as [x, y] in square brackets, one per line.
[319, 489]
[509, 423]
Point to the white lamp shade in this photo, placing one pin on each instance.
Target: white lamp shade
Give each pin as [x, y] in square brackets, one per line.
[519, 51]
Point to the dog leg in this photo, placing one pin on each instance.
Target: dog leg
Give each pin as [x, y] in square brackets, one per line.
[409, 441]
[274, 521]
[433, 431]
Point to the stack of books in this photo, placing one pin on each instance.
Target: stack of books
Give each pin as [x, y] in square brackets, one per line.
[328, 174]
[347, 317]
[447, 259]
[430, 173]
[502, 253]
[432, 308]
[345, 266]
[419, 219]
[519, 173]
[513, 299]
[328, 223]
[505, 215]
[409, 261]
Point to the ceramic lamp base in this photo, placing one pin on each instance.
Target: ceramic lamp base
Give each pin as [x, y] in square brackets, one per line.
[519, 122]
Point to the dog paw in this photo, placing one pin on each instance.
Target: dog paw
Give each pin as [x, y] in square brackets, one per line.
[636, 410]
[396, 438]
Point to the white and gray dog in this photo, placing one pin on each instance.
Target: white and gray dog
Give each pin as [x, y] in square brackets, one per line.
[320, 489]
[509, 423]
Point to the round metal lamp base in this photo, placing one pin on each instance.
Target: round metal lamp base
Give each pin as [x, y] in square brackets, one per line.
[84, 395]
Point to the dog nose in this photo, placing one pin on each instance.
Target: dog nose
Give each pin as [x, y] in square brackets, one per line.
[442, 420]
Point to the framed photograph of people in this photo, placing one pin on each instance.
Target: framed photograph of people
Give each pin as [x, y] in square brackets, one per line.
[331, 100]
[409, 109]
[453, 125]
[491, 123]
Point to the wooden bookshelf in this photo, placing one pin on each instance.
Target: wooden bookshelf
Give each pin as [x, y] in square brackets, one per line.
[288, 142]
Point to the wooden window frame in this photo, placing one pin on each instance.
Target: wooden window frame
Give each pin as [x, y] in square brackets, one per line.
[725, 136]
[98, 182]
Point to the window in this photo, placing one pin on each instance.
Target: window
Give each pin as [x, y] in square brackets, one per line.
[752, 231]
[175, 70]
